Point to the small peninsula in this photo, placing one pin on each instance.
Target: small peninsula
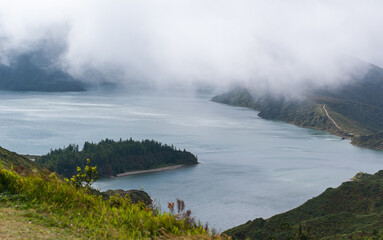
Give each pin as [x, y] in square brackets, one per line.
[116, 158]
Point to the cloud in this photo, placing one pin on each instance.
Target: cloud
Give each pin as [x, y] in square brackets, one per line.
[270, 43]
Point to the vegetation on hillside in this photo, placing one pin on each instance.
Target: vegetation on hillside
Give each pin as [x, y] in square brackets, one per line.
[356, 107]
[354, 210]
[114, 157]
[52, 203]
[19, 163]
[373, 141]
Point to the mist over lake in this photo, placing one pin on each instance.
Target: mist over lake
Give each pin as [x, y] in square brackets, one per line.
[250, 167]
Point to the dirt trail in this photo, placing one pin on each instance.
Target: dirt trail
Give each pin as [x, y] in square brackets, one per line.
[324, 108]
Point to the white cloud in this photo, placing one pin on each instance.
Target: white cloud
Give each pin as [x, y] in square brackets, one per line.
[281, 44]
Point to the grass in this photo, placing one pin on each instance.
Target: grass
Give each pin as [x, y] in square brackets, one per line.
[55, 204]
[20, 163]
[16, 224]
[36, 203]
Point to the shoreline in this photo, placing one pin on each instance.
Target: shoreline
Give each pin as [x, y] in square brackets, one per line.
[343, 135]
[150, 170]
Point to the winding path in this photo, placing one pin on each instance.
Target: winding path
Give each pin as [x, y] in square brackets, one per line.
[324, 108]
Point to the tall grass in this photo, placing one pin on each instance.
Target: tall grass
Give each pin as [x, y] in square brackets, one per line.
[61, 204]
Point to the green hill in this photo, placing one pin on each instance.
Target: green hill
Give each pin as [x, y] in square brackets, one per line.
[114, 157]
[353, 210]
[356, 108]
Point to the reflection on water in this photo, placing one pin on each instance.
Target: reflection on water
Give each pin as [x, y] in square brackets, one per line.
[249, 168]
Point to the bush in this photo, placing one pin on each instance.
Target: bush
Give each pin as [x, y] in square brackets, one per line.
[86, 177]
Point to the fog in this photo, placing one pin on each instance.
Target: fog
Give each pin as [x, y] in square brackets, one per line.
[281, 45]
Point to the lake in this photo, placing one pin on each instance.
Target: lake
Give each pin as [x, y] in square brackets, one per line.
[250, 167]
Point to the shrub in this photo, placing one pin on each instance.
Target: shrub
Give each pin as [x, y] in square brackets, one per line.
[86, 177]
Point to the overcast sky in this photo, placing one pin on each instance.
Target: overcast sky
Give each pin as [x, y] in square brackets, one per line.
[268, 43]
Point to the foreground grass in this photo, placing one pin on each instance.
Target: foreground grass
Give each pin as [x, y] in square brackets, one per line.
[15, 224]
[54, 204]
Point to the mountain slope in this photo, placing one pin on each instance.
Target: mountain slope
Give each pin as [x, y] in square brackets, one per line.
[354, 209]
[304, 113]
[32, 72]
[356, 108]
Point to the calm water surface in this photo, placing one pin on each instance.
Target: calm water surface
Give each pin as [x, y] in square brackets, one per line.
[249, 168]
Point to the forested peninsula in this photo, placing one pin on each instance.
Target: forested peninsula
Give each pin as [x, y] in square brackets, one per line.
[115, 157]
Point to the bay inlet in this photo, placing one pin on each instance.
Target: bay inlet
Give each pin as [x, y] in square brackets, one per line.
[250, 167]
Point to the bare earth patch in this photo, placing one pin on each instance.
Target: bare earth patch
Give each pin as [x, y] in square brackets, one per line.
[13, 225]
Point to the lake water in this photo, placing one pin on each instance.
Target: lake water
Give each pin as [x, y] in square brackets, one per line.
[249, 168]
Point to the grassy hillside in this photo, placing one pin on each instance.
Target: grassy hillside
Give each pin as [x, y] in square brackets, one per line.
[11, 160]
[57, 209]
[357, 108]
[354, 210]
[114, 157]
[373, 141]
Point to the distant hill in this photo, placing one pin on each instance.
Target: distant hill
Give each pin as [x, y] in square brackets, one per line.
[33, 72]
[353, 210]
[356, 108]
[115, 157]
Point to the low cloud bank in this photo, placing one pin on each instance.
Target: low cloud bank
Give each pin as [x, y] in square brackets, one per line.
[278, 45]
